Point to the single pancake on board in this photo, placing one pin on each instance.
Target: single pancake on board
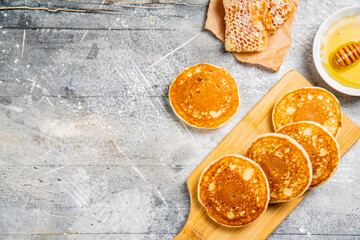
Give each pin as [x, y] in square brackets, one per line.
[321, 146]
[234, 191]
[204, 96]
[285, 163]
[308, 104]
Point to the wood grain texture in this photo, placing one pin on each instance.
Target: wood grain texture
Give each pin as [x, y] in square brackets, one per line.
[256, 122]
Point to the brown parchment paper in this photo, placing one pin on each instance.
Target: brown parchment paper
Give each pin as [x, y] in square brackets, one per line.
[276, 47]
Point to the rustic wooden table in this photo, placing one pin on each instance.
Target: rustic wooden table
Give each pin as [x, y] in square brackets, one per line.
[89, 147]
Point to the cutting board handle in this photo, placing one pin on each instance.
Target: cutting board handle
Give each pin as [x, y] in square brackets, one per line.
[184, 234]
[189, 233]
[192, 229]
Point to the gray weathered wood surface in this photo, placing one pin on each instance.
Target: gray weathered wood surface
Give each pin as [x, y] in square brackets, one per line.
[89, 147]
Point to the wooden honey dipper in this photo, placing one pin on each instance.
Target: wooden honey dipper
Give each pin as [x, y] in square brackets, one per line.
[348, 54]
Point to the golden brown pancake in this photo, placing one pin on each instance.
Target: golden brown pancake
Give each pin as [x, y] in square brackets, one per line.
[321, 146]
[234, 191]
[285, 163]
[204, 96]
[308, 104]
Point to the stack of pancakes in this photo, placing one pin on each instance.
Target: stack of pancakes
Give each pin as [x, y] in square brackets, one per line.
[302, 153]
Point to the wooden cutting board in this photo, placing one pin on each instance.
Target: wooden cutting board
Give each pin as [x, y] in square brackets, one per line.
[256, 122]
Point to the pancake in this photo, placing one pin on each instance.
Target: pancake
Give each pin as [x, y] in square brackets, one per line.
[321, 146]
[204, 96]
[234, 191]
[308, 104]
[285, 163]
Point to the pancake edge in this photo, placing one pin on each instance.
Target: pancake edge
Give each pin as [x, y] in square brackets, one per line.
[244, 158]
[183, 120]
[300, 148]
[332, 136]
[323, 89]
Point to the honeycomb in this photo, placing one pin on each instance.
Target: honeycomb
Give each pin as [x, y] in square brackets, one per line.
[250, 22]
[280, 10]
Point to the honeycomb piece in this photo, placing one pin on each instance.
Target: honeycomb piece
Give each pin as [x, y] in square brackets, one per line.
[280, 11]
[250, 22]
[245, 31]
